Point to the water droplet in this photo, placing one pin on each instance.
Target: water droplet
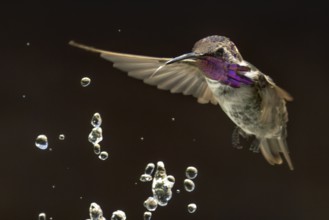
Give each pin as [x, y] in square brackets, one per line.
[178, 191]
[142, 138]
[50, 218]
[171, 179]
[119, 30]
[173, 119]
[96, 135]
[61, 137]
[161, 185]
[103, 155]
[23, 96]
[118, 215]
[85, 81]
[41, 142]
[95, 212]
[145, 178]
[28, 44]
[191, 208]
[147, 215]
[42, 216]
[81, 197]
[53, 186]
[96, 120]
[191, 172]
[149, 168]
[97, 149]
[189, 185]
[151, 204]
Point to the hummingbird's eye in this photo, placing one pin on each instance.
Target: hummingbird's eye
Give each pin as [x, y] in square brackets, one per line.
[219, 52]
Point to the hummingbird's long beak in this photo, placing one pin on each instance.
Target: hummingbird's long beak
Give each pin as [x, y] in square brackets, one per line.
[191, 55]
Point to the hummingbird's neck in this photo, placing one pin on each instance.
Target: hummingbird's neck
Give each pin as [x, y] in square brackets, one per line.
[224, 72]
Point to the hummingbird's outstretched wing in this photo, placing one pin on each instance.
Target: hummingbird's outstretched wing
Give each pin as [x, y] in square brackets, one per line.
[181, 77]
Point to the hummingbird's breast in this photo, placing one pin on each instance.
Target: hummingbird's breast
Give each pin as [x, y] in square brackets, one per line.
[243, 107]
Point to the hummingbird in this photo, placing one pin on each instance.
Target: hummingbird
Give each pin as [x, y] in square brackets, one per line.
[215, 72]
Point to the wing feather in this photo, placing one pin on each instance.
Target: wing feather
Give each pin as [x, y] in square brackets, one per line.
[181, 77]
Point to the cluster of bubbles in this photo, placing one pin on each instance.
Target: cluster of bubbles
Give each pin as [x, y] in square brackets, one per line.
[189, 186]
[96, 136]
[96, 213]
[161, 187]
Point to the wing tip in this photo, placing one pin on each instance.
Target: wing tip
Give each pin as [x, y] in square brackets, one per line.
[84, 47]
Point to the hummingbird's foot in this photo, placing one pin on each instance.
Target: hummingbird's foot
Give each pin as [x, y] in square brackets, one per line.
[236, 138]
[254, 147]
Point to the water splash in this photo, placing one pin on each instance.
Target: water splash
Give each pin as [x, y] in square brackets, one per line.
[103, 155]
[191, 172]
[95, 212]
[85, 81]
[118, 215]
[96, 120]
[162, 185]
[151, 204]
[96, 135]
[189, 185]
[191, 208]
[147, 215]
[42, 216]
[41, 142]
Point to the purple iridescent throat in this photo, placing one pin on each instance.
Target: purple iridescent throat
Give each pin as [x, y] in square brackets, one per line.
[224, 72]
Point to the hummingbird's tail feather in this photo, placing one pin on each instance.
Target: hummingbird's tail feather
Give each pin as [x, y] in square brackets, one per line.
[271, 149]
[284, 149]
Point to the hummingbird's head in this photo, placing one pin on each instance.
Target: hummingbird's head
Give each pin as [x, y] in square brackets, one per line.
[218, 58]
[218, 47]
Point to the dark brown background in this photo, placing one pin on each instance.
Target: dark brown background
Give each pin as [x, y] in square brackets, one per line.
[288, 41]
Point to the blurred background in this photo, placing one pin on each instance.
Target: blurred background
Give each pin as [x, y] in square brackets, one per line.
[41, 94]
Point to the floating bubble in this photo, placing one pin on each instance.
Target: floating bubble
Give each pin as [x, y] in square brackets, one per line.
[103, 155]
[95, 212]
[41, 142]
[61, 137]
[145, 178]
[189, 185]
[191, 172]
[85, 81]
[151, 204]
[191, 208]
[96, 135]
[149, 168]
[96, 120]
[161, 186]
[97, 149]
[42, 216]
[147, 215]
[118, 215]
